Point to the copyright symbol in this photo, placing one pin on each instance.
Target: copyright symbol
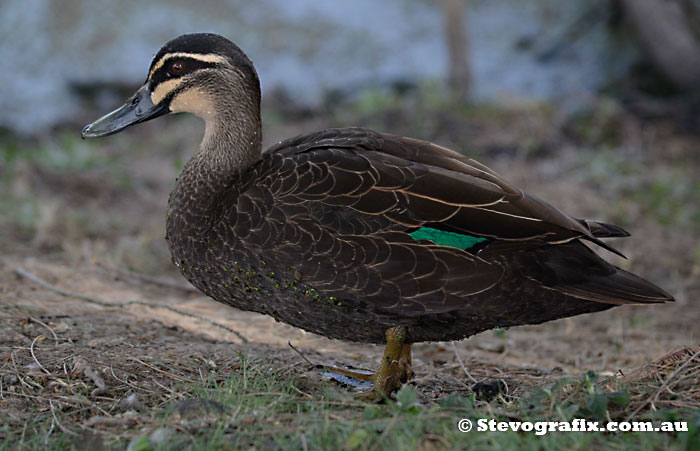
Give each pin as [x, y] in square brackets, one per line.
[464, 425]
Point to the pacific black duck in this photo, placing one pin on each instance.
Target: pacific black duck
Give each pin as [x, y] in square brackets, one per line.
[359, 235]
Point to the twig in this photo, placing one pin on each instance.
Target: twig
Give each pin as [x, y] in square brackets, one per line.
[29, 276]
[663, 386]
[60, 426]
[301, 392]
[42, 398]
[31, 350]
[39, 281]
[300, 354]
[173, 392]
[148, 279]
[171, 375]
[114, 421]
[196, 316]
[19, 377]
[46, 438]
[459, 359]
[55, 337]
[126, 382]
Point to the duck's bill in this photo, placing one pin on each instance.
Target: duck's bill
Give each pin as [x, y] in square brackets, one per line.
[138, 108]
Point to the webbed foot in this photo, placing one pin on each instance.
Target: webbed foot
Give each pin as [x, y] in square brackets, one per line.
[394, 369]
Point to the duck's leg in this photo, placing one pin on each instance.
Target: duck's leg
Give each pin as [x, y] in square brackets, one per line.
[406, 363]
[395, 367]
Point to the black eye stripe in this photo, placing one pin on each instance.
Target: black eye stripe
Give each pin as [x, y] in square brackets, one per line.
[189, 65]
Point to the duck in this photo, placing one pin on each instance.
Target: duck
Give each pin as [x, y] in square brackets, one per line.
[358, 235]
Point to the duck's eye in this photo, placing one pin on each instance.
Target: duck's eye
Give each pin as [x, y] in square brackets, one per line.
[177, 68]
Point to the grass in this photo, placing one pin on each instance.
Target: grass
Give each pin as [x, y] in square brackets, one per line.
[63, 195]
[30, 170]
[259, 407]
[63, 151]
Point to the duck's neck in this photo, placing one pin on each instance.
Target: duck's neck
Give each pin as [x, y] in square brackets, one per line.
[232, 143]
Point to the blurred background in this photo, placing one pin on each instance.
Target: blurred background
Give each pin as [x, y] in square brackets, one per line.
[64, 54]
[592, 105]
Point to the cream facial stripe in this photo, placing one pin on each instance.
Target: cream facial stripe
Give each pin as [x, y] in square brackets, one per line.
[204, 57]
[165, 88]
[193, 101]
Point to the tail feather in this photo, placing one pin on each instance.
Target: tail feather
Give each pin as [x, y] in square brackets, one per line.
[575, 270]
[603, 230]
[622, 287]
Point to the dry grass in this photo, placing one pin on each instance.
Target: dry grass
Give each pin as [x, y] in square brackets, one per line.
[671, 381]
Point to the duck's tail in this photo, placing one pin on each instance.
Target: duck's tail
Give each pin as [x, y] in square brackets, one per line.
[621, 287]
[575, 270]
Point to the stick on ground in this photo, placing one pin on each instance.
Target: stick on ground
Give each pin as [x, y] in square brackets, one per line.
[39, 281]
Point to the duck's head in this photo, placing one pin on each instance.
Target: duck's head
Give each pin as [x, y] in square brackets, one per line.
[203, 74]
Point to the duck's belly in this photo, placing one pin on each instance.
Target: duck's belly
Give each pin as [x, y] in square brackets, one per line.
[276, 292]
[254, 284]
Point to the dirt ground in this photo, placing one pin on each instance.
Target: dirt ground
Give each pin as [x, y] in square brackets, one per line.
[57, 330]
[75, 321]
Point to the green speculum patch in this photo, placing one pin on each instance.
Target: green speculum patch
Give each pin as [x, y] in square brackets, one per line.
[444, 238]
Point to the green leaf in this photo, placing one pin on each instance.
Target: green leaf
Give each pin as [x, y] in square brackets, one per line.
[140, 444]
[620, 398]
[407, 397]
[358, 439]
[373, 412]
[598, 405]
[569, 412]
[456, 400]
[589, 381]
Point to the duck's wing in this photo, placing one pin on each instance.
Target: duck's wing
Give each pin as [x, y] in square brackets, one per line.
[413, 183]
[396, 222]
